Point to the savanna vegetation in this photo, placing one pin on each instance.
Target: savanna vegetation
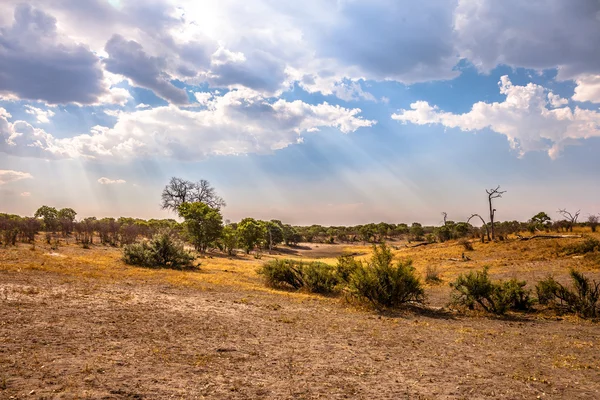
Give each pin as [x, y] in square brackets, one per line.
[224, 308]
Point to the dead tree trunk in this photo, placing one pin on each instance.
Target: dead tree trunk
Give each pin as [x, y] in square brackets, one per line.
[570, 218]
[487, 231]
[493, 194]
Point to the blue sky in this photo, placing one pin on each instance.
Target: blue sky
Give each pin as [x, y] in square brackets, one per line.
[330, 112]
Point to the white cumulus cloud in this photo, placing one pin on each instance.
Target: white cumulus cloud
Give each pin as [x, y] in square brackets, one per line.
[41, 116]
[529, 118]
[238, 122]
[7, 176]
[587, 89]
[108, 181]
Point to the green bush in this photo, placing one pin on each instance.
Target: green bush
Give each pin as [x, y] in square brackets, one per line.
[589, 245]
[283, 273]
[162, 251]
[345, 266]
[476, 288]
[514, 295]
[383, 284]
[319, 277]
[315, 277]
[583, 299]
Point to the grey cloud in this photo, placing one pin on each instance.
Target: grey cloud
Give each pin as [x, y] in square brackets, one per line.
[35, 64]
[128, 58]
[532, 34]
[387, 39]
[259, 71]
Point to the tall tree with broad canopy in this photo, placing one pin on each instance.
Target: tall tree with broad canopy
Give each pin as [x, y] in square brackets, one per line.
[250, 232]
[180, 191]
[66, 218]
[202, 223]
[49, 216]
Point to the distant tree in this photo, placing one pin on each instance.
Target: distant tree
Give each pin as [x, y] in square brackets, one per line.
[66, 218]
[593, 221]
[462, 229]
[273, 233]
[202, 223]
[493, 194]
[487, 231]
[229, 239]
[291, 235]
[417, 231]
[250, 232]
[571, 219]
[49, 216]
[539, 221]
[180, 191]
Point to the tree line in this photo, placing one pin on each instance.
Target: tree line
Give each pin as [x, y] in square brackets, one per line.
[199, 207]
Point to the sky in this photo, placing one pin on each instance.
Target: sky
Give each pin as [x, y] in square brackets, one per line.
[333, 112]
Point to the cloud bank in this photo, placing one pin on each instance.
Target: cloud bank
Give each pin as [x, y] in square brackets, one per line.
[530, 117]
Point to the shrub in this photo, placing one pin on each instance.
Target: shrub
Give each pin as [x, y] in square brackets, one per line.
[514, 294]
[583, 299]
[319, 277]
[315, 277]
[282, 273]
[382, 284]
[476, 288]
[466, 244]
[432, 275]
[162, 251]
[345, 266]
[587, 246]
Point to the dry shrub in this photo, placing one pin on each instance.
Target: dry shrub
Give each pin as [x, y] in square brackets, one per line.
[477, 289]
[162, 251]
[432, 275]
[583, 299]
[315, 277]
[466, 244]
[382, 284]
[589, 245]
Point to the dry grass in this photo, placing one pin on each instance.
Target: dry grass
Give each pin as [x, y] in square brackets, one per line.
[78, 323]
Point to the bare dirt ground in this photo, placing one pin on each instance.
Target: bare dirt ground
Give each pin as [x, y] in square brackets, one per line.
[83, 325]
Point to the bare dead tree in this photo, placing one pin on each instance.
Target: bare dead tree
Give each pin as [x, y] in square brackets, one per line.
[445, 215]
[180, 191]
[593, 220]
[487, 231]
[205, 193]
[493, 194]
[570, 218]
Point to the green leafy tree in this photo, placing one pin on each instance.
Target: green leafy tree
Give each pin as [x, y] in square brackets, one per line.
[250, 232]
[291, 235]
[417, 231]
[66, 219]
[203, 224]
[229, 239]
[539, 221]
[49, 215]
[273, 233]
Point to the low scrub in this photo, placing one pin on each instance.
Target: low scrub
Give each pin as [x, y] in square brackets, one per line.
[315, 277]
[162, 251]
[345, 267]
[432, 275]
[583, 299]
[477, 289]
[588, 245]
[383, 284]
[466, 244]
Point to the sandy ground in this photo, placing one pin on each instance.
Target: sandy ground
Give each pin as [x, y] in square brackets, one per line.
[65, 336]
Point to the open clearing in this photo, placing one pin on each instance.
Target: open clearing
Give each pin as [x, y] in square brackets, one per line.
[78, 323]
